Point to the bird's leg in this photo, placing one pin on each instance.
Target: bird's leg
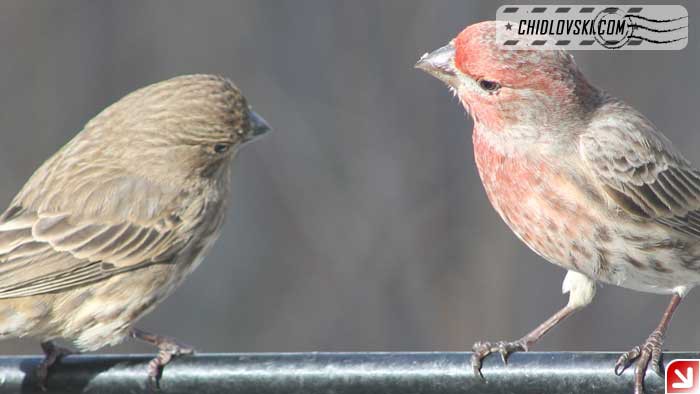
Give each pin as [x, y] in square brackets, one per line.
[168, 348]
[650, 351]
[52, 355]
[581, 292]
[482, 349]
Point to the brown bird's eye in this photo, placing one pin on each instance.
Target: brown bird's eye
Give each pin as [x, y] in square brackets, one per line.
[221, 148]
[489, 86]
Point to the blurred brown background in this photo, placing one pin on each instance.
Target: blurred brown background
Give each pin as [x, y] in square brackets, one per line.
[360, 223]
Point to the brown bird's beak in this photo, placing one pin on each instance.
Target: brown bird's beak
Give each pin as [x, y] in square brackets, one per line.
[258, 126]
[440, 64]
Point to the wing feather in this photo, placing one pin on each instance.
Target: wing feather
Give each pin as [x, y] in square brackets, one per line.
[47, 253]
[640, 170]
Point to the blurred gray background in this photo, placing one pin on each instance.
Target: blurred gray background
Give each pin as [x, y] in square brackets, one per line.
[360, 224]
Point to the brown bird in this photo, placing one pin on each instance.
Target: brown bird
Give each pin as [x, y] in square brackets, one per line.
[114, 221]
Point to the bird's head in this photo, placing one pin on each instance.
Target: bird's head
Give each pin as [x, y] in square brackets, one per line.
[183, 127]
[503, 88]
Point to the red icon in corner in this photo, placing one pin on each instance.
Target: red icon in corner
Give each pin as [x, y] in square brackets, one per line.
[683, 376]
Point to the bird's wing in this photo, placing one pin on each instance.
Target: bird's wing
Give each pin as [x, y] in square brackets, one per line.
[641, 171]
[42, 253]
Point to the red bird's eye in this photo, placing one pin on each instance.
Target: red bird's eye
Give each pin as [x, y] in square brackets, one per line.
[489, 86]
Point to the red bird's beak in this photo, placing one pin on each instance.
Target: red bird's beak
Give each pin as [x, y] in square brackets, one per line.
[440, 64]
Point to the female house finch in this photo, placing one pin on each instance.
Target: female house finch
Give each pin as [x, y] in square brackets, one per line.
[586, 181]
[113, 222]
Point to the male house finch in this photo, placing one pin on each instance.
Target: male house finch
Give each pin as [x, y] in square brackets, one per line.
[586, 181]
[113, 222]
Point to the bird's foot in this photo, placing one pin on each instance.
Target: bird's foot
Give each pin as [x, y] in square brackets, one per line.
[52, 355]
[166, 354]
[482, 349]
[169, 349]
[647, 354]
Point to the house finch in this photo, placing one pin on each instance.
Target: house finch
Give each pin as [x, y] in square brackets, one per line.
[113, 222]
[582, 178]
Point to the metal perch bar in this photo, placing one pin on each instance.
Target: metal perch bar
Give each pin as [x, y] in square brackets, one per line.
[337, 373]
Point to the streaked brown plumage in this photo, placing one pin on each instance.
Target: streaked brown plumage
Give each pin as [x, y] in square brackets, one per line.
[112, 223]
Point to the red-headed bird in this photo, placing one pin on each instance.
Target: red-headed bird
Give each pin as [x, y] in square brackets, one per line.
[585, 180]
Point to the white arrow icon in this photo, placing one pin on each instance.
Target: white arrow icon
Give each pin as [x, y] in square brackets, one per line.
[687, 379]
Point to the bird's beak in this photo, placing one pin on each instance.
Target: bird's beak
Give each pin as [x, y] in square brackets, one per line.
[440, 64]
[258, 126]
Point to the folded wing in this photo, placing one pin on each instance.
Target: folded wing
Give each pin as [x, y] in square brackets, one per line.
[641, 171]
[42, 253]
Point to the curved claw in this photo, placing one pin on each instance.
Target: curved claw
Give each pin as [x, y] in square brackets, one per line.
[479, 351]
[504, 353]
[482, 350]
[52, 355]
[619, 369]
[476, 367]
[168, 348]
[626, 359]
[650, 352]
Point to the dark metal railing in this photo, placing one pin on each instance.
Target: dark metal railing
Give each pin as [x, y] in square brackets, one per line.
[337, 373]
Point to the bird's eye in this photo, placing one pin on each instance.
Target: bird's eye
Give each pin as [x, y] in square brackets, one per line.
[221, 148]
[489, 86]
